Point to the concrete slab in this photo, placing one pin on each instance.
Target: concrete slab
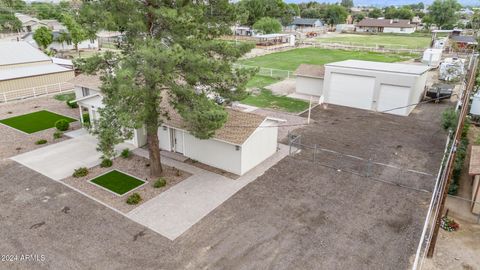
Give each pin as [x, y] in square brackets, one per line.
[76, 133]
[176, 210]
[58, 161]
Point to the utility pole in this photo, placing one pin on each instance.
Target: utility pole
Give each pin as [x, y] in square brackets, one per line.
[449, 168]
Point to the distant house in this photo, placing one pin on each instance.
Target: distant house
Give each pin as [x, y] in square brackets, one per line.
[54, 25]
[243, 31]
[385, 26]
[464, 42]
[243, 142]
[306, 23]
[29, 23]
[299, 23]
[26, 72]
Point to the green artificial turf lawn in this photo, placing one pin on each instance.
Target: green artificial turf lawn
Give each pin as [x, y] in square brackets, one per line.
[290, 60]
[36, 121]
[389, 41]
[266, 99]
[117, 182]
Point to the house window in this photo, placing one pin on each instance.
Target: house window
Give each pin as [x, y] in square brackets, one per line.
[402, 29]
[85, 91]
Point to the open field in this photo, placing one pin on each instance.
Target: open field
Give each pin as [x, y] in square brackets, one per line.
[34, 122]
[290, 60]
[389, 41]
[260, 81]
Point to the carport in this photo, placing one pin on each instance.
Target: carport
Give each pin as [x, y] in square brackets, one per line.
[376, 86]
[59, 160]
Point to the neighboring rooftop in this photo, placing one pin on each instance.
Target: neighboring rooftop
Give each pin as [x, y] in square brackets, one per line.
[474, 168]
[314, 71]
[465, 39]
[12, 53]
[385, 23]
[380, 66]
[238, 128]
[29, 71]
[304, 21]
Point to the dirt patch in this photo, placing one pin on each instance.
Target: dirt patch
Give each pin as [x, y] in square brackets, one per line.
[136, 166]
[15, 142]
[212, 169]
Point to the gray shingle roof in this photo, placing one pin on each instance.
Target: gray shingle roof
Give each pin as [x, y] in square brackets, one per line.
[465, 39]
[305, 21]
[385, 23]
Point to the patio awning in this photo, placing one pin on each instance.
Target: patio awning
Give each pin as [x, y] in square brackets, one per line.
[90, 101]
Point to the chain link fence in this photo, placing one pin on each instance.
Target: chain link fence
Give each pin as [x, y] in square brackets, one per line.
[269, 72]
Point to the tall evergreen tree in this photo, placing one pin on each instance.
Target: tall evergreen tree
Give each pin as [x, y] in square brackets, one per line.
[170, 50]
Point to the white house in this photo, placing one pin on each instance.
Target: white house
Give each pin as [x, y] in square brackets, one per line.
[242, 143]
[385, 26]
[384, 87]
[309, 79]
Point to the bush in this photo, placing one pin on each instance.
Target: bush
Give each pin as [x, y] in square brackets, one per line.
[80, 172]
[126, 153]
[62, 125]
[449, 119]
[161, 182]
[135, 198]
[57, 135]
[42, 141]
[72, 104]
[106, 163]
[86, 118]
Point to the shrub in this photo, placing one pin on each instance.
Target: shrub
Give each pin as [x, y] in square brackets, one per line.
[126, 153]
[62, 125]
[86, 118]
[72, 104]
[42, 141]
[80, 172]
[449, 119]
[135, 198]
[106, 163]
[161, 182]
[57, 135]
[65, 97]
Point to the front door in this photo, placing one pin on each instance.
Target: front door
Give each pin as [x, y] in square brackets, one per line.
[176, 140]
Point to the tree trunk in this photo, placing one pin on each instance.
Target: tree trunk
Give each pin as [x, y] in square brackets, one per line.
[154, 152]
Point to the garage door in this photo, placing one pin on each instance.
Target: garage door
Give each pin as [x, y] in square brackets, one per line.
[351, 90]
[393, 96]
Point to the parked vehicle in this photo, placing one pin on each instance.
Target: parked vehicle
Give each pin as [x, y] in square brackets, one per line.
[440, 91]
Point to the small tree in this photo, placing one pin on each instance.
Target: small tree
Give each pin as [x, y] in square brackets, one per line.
[335, 14]
[43, 36]
[64, 37]
[267, 25]
[76, 31]
[444, 12]
[375, 13]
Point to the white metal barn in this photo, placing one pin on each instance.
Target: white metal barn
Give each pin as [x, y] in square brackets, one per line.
[382, 87]
[309, 79]
[243, 142]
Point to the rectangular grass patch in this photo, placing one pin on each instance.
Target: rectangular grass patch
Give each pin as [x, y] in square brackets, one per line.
[117, 182]
[36, 121]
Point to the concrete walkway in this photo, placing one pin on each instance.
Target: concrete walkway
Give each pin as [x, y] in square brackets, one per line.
[174, 211]
[59, 160]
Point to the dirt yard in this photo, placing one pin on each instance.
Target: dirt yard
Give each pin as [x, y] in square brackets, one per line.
[14, 142]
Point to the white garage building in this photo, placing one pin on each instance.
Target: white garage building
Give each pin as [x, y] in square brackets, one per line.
[309, 79]
[375, 86]
[245, 140]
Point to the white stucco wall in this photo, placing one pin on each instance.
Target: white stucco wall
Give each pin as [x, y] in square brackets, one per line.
[79, 93]
[399, 30]
[259, 146]
[415, 83]
[164, 138]
[214, 153]
[309, 86]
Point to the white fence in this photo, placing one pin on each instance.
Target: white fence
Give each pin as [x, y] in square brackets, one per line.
[269, 72]
[35, 92]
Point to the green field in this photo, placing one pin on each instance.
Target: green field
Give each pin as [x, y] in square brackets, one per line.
[266, 99]
[389, 41]
[36, 121]
[117, 182]
[260, 81]
[290, 60]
